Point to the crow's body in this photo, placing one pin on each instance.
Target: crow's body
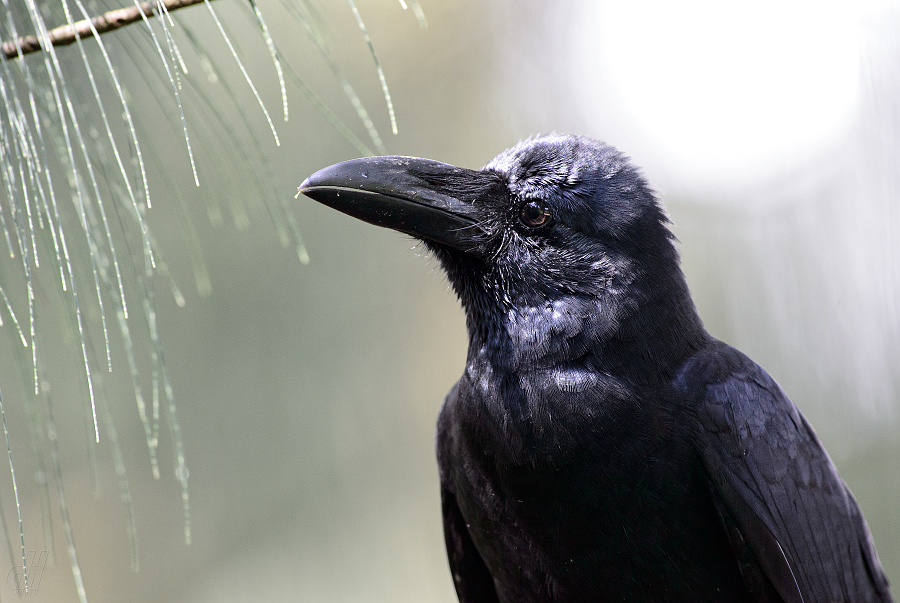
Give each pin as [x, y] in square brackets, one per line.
[600, 445]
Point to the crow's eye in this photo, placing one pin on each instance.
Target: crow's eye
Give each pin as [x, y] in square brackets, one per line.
[534, 214]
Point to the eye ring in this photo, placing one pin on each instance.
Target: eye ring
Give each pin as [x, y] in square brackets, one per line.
[535, 214]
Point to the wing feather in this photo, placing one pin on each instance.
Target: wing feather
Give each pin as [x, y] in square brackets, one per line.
[776, 486]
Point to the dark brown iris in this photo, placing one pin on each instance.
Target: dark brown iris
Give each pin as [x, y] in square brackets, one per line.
[534, 214]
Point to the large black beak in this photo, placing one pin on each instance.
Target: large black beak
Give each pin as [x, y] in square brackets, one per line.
[412, 195]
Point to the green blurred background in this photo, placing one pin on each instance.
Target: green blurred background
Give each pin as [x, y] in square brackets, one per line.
[307, 394]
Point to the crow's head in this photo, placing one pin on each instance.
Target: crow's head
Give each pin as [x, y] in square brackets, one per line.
[554, 219]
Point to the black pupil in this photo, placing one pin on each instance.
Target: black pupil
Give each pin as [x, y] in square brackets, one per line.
[534, 214]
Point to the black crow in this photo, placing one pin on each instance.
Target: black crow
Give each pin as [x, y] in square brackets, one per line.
[600, 444]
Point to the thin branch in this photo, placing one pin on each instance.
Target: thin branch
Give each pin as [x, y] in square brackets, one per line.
[109, 21]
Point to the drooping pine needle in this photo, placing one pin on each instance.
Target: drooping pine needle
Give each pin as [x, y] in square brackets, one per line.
[274, 53]
[243, 70]
[384, 86]
[12, 473]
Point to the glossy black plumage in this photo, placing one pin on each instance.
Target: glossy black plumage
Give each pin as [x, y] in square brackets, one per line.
[600, 445]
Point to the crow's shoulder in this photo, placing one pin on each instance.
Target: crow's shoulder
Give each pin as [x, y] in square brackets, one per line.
[792, 521]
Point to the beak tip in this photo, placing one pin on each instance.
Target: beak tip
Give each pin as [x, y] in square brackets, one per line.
[304, 187]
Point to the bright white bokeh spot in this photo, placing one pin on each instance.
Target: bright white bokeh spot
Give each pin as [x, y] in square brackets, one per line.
[730, 90]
